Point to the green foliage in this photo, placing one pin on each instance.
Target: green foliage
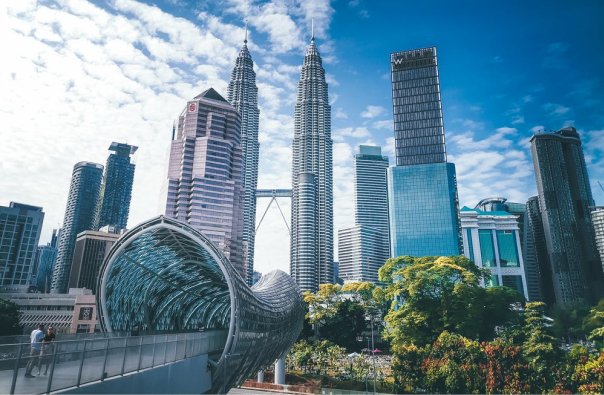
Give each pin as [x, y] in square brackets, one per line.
[9, 318]
[345, 324]
[436, 294]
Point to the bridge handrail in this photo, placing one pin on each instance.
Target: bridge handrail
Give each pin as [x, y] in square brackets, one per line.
[84, 361]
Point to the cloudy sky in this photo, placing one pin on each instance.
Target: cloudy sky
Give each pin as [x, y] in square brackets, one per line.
[76, 75]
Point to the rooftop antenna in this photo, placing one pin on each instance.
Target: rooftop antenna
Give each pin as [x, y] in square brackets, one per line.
[245, 41]
[312, 30]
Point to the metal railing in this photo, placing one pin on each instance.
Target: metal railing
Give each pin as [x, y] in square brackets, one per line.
[75, 362]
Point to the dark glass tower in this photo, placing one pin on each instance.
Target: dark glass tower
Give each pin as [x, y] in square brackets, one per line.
[20, 227]
[537, 267]
[418, 119]
[565, 201]
[312, 264]
[422, 187]
[80, 215]
[242, 93]
[117, 186]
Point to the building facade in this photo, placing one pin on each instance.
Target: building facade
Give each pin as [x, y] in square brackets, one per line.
[565, 202]
[72, 312]
[46, 256]
[205, 174]
[116, 192]
[242, 93]
[80, 215]
[20, 227]
[364, 248]
[312, 262]
[597, 217]
[491, 240]
[422, 187]
[91, 248]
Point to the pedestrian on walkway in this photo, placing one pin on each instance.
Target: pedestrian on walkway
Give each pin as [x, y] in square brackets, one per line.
[47, 350]
[36, 347]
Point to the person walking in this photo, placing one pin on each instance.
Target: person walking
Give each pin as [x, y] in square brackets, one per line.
[36, 347]
[47, 350]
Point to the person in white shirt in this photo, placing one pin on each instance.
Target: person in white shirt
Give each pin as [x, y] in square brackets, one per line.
[36, 347]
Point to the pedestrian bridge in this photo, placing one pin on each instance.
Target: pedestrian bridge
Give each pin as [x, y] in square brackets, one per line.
[165, 277]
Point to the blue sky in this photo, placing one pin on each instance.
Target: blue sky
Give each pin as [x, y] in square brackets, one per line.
[77, 75]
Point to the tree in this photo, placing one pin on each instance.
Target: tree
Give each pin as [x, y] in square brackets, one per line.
[435, 294]
[540, 349]
[9, 318]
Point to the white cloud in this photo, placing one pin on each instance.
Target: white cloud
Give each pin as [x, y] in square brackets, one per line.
[358, 133]
[372, 111]
[340, 113]
[388, 124]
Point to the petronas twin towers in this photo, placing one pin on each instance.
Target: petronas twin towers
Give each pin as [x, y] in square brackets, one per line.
[213, 174]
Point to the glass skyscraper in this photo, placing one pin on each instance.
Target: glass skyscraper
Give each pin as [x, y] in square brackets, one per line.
[80, 215]
[537, 267]
[418, 120]
[597, 217]
[205, 174]
[117, 187]
[20, 227]
[422, 187]
[312, 263]
[363, 248]
[242, 93]
[565, 201]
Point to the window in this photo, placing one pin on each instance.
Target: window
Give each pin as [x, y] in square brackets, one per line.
[508, 253]
[487, 249]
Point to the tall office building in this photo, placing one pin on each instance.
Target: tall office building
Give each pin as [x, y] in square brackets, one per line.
[80, 215]
[422, 187]
[205, 174]
[537, 267]
[597, 217]
[363, 248]
[312, 263]
[565, 201]
[116, 192]
[492, 241]
[242, 93]
[20, 227]
[90, 250]
[46, 256]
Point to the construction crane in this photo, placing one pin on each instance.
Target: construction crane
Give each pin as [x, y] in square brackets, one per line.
[600, 184]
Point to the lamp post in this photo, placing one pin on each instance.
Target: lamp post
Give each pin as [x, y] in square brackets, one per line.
[373, 354]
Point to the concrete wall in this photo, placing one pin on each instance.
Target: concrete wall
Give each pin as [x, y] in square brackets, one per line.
[189, 376]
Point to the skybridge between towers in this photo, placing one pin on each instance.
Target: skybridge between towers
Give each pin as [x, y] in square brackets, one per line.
[176, 317]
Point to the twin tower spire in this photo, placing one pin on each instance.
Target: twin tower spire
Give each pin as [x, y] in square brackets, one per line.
[311, 245]
[213, 173]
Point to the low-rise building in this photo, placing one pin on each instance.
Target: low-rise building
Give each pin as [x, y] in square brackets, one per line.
[491, 240]
[74, 312]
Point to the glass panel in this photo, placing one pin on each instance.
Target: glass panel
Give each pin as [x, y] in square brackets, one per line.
[487, 249]
[115, 357]
[514, 282]
[470, 246]
[94, 357]
[492, 280]
[508, 252]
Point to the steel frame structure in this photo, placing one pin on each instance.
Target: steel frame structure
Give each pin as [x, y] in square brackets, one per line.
[164, 275]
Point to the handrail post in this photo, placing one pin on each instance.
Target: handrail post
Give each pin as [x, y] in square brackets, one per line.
[153, 356]
[140, 353]
[125, 351]
[52, 367]
[81, 364]
[165, 348]
[105, 360]
[16, 370]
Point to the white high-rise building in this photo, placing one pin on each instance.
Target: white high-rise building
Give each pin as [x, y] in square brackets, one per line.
[242, 93]
[312, 264]
[364, 248]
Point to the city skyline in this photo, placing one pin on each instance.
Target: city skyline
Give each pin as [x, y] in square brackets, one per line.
[142, 62]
